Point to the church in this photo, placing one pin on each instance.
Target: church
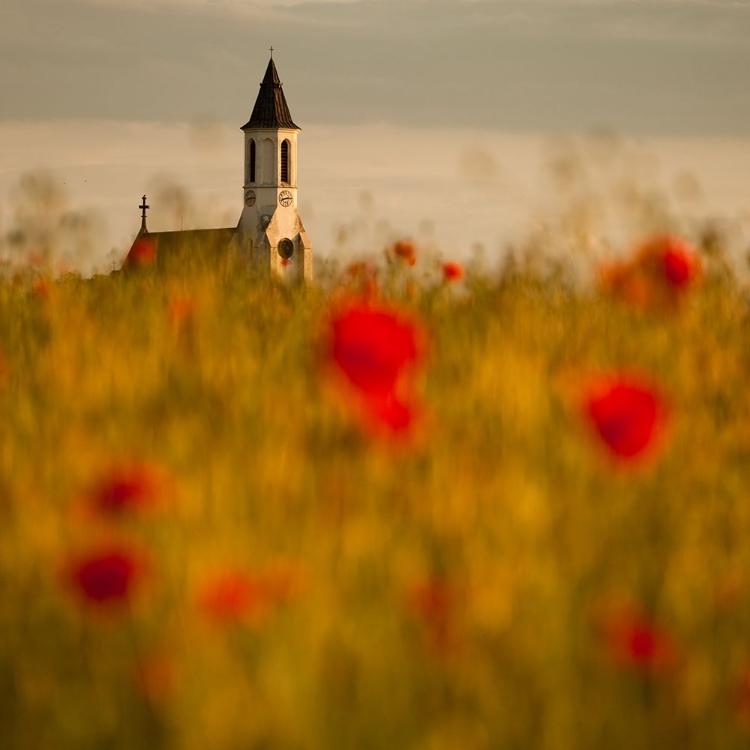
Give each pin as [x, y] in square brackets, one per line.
[270, 235]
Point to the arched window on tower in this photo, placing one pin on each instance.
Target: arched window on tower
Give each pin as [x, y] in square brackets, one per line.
[285, 161]
[251, 162]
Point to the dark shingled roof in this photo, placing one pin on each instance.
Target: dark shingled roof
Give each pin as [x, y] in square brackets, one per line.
[158, 248]
[271, 109]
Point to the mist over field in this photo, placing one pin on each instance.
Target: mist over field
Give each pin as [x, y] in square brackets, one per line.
[456, 191]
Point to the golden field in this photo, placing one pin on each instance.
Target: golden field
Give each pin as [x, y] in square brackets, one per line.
[287, 565]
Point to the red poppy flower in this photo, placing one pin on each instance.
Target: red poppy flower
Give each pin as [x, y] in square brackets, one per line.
[286, 262]
[391, 413]
[180, 310]
[435, 603]
[680, 264]
[406, 251]
[230, 597]
[106, 576]
[634, 641]
[627, 413]
[432, 600]
[453, 271]
[668, 260]
[124, 489]
[377, 350]
[657, 276]
[372, 346]
[242, 596]
[627, 282]
[143, 253]
[40, 288]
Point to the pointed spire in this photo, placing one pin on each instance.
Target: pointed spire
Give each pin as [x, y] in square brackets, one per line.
[271, 110]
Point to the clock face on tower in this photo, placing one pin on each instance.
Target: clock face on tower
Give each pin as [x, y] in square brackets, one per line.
[249, 198]
[285, 198]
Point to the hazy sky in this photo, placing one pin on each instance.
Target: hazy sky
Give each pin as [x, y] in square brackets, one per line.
[638, 66]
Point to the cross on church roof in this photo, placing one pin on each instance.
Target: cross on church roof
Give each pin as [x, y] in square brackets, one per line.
[143, 208]
[271, 52]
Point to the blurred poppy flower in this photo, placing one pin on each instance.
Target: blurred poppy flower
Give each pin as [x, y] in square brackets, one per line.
[285, 262]
[180, 310]
[229, 597]
[132, 488]
[106, 576]
[372, 346]
[40, 288]
[143, 253]
[626, 282]
[406, 251]
[453, 271]
[391, 413]
[634, 641]
[243, 596]
[377, 349]
[661, 270]
[627, 413]
[435, 603]
[680, 263]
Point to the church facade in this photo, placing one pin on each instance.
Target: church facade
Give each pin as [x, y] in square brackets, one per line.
[269, 235]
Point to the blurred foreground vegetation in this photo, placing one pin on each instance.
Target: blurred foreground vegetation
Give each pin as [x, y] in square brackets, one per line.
[496, 580]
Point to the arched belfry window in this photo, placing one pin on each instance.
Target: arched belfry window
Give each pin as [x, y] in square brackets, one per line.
[285, 161]
[251, 162]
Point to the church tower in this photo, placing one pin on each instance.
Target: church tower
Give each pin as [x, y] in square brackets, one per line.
[270, 231]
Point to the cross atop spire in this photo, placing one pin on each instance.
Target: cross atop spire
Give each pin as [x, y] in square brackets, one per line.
[143, 208]
[271, 110]
[272, 53]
